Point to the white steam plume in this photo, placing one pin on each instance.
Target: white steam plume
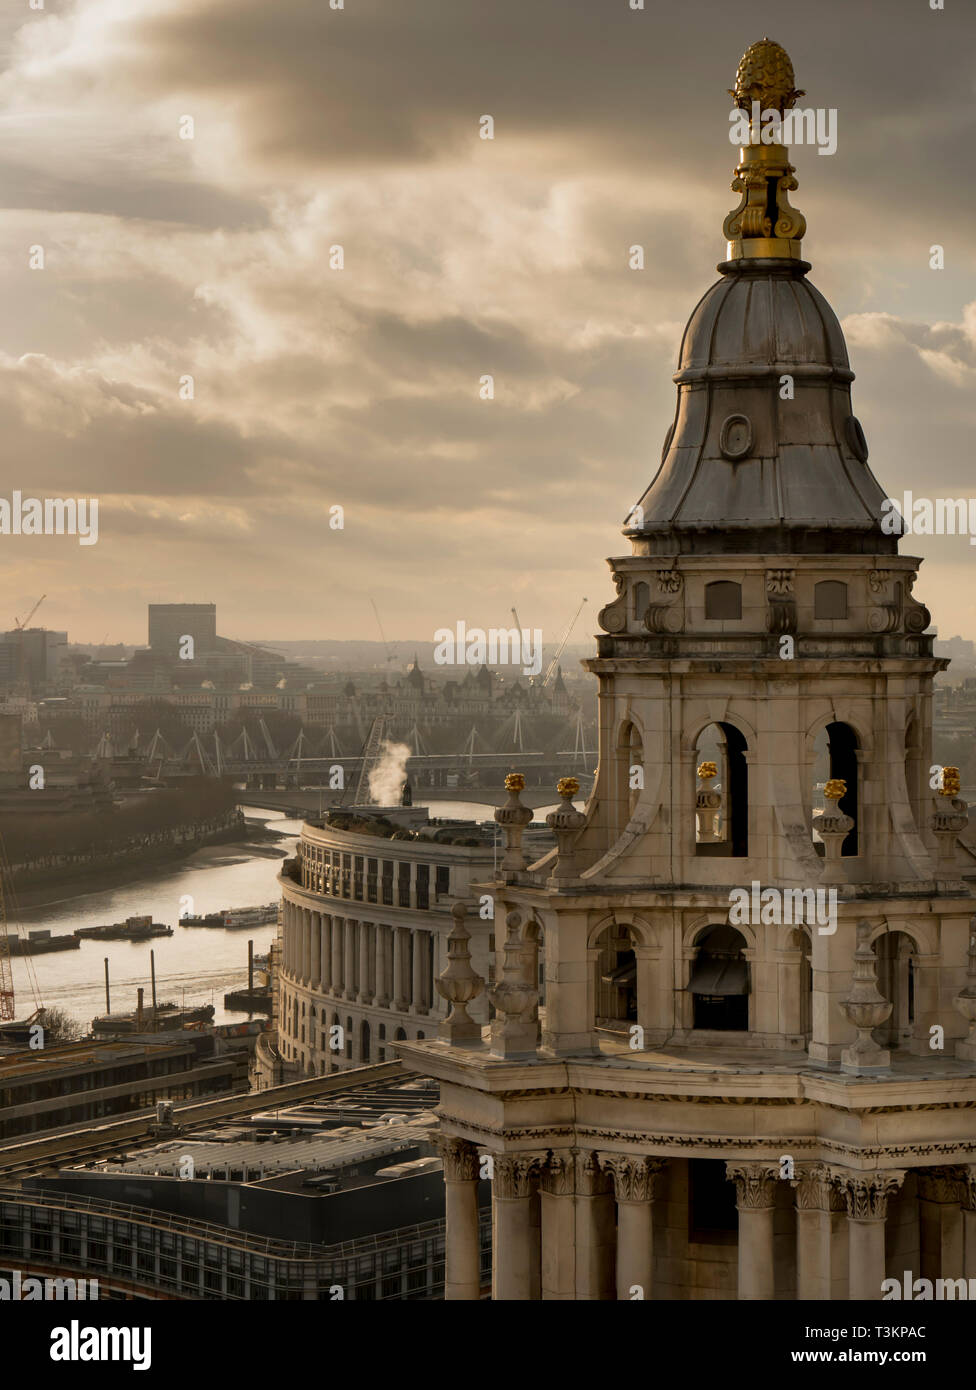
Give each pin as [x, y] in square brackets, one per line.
[388, 776]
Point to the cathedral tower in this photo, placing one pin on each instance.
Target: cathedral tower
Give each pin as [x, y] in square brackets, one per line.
[749, 1057]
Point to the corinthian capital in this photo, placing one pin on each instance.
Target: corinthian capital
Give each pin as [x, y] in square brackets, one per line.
[947, 1184]
[559, 1173]
[460, 1157]
[516, 1175]
[633, 1175]
[866, 1194]
[815, 1189]
[755, 1184]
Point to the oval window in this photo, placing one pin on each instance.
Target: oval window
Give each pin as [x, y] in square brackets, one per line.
[856, 440]
[735, 440]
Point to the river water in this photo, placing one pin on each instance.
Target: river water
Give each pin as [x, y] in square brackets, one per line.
[196, 965]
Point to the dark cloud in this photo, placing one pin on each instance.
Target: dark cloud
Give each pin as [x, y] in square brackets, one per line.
[462, 258]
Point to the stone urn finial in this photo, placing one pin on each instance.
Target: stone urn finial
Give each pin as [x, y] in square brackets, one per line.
[708, 803]
[515, 1032]
[513, 817]
[965, 1001]
[834, 827]
[459, 984]
[566, 823]
[951, 816]
[867, 1008]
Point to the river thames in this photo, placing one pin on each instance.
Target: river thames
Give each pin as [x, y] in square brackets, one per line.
[196, 965]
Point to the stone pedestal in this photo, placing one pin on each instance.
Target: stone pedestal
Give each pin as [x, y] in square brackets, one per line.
[867, 1009]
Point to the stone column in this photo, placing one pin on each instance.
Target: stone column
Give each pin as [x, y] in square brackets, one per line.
[337, 978]
[382, 972]
[419, 973]
[515, 1245]
[306, 945]
[364, 996]
[968, 1177]
[349, 960]
[595, 1230]
[399, 970]
[463, 1260]
[940, 1197]
[326, 953]
[294, 941]
[316, 928]
[755, 1187]
[633, 1184]
[557, 1199]
[287, 935]
[821, 1221]
[867, 1196]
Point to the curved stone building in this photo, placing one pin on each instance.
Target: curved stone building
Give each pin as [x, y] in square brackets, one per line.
[366, 912]
[753, 1077]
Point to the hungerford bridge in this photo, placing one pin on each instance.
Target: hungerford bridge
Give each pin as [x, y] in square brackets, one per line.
[260, 765]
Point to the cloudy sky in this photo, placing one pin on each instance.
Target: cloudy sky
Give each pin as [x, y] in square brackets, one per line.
[317, 387]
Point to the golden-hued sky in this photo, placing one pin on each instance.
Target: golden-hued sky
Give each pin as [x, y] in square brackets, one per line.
[314, 387]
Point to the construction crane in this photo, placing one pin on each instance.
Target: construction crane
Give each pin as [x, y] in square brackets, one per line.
[516, 617]
[19, 625]
[390, 653]
[551, 668]
[371, 757]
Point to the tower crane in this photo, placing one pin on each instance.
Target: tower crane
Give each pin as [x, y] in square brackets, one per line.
[551, 668]
[390, 653]
[19, 625]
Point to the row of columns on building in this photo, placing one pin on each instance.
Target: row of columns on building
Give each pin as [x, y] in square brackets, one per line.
[317, 876]
[578, 1224]
[365, 962]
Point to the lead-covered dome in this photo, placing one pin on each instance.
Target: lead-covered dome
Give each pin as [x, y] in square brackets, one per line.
[765, 453]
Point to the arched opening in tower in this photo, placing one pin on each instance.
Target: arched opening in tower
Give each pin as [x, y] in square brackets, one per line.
[913, 769]
[720, 981]
[630, 771]
[722, 829]
[616, 979]
[835, 758]
[800, 941]
[896, 971]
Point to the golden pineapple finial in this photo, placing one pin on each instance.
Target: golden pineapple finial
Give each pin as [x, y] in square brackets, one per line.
[765, 74]
[764, 226]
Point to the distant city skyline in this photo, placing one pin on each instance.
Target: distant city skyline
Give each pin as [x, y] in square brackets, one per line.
[314, 387]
